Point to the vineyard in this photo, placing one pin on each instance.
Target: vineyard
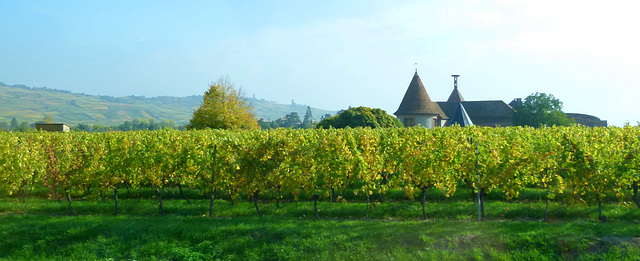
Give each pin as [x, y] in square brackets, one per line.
[586, 163]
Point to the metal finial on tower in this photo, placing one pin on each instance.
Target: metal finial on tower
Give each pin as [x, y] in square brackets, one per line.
[416, 65]
[455, 81]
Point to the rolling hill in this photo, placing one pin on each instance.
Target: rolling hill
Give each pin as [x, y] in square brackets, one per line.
[32, 104]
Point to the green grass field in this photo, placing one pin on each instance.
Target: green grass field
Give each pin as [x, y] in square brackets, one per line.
[41, 229]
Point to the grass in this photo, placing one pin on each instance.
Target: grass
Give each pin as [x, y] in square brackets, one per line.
[40, 237]
[41, 230]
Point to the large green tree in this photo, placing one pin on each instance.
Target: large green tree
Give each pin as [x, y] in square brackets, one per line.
[540, 109]
[223, 108]
[360, 117]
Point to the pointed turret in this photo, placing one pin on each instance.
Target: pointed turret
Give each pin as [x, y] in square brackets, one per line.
[455, 95]
[417, 101]
[417, 108]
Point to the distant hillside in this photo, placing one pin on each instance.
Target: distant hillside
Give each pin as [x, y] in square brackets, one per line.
[31, 104]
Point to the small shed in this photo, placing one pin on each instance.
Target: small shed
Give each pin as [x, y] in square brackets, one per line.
[61, 127]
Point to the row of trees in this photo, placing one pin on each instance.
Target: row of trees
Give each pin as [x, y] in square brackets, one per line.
[291, 120]
[586, 163]
[134, 125]
[15, 126]
[24, 126]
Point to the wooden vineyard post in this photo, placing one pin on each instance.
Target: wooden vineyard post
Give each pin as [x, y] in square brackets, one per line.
[315, 205]
[213, 173]
[480, 207]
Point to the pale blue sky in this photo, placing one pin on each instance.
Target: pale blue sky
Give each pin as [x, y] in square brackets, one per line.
[331, 54]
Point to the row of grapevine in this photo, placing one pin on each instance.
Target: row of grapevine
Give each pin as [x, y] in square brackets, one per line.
[589, 162]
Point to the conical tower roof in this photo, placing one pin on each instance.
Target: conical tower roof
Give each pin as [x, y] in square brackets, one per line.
[455, 96]
[417, 101]
[460, 117]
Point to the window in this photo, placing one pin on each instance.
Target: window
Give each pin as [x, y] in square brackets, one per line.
[409, 122]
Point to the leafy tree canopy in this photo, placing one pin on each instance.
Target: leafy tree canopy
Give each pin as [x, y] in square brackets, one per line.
[14, 123]
[291, 120]
[360, 117]
[223, 108]
[540, 109]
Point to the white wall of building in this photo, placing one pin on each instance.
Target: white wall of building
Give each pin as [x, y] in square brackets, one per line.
[424, 121]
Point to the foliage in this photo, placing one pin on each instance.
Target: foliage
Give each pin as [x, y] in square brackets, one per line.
[223, 108]
[588, 163]
[291, 120]
[14, 123]
[540, 109]
[47, 119]
[5, 126]
[360, 117]
[24, 127]
[308, 122]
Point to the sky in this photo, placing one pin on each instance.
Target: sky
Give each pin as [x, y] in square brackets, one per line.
[332, 54]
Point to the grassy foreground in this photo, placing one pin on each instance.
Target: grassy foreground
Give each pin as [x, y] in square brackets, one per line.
[198, 238]
[512, 232]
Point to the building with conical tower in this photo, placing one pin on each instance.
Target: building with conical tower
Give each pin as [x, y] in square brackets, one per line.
[417, 108]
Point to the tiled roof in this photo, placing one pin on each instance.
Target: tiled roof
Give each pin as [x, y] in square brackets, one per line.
[483, 113]
[416, 101]
[455, 96]
[460, 117]
[587, 120]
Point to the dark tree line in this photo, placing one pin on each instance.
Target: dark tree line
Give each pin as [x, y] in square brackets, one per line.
[291, 120]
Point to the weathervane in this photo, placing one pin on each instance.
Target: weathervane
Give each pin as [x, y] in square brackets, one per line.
[416, 64]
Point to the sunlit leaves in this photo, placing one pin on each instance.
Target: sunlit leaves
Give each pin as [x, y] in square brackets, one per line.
[589, 162]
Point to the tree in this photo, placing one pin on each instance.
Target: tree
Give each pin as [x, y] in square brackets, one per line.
[360, 117]
[308, 122]
[14, 123]
[47, 118]
[83, 127]
[223, 108]
[100, 128]
[326, 116]
[153, 124]
[126, 126]
[265, 125]
[291, 120]
[540, 109]
[4, 126]
[24, 127]
[167, 124]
